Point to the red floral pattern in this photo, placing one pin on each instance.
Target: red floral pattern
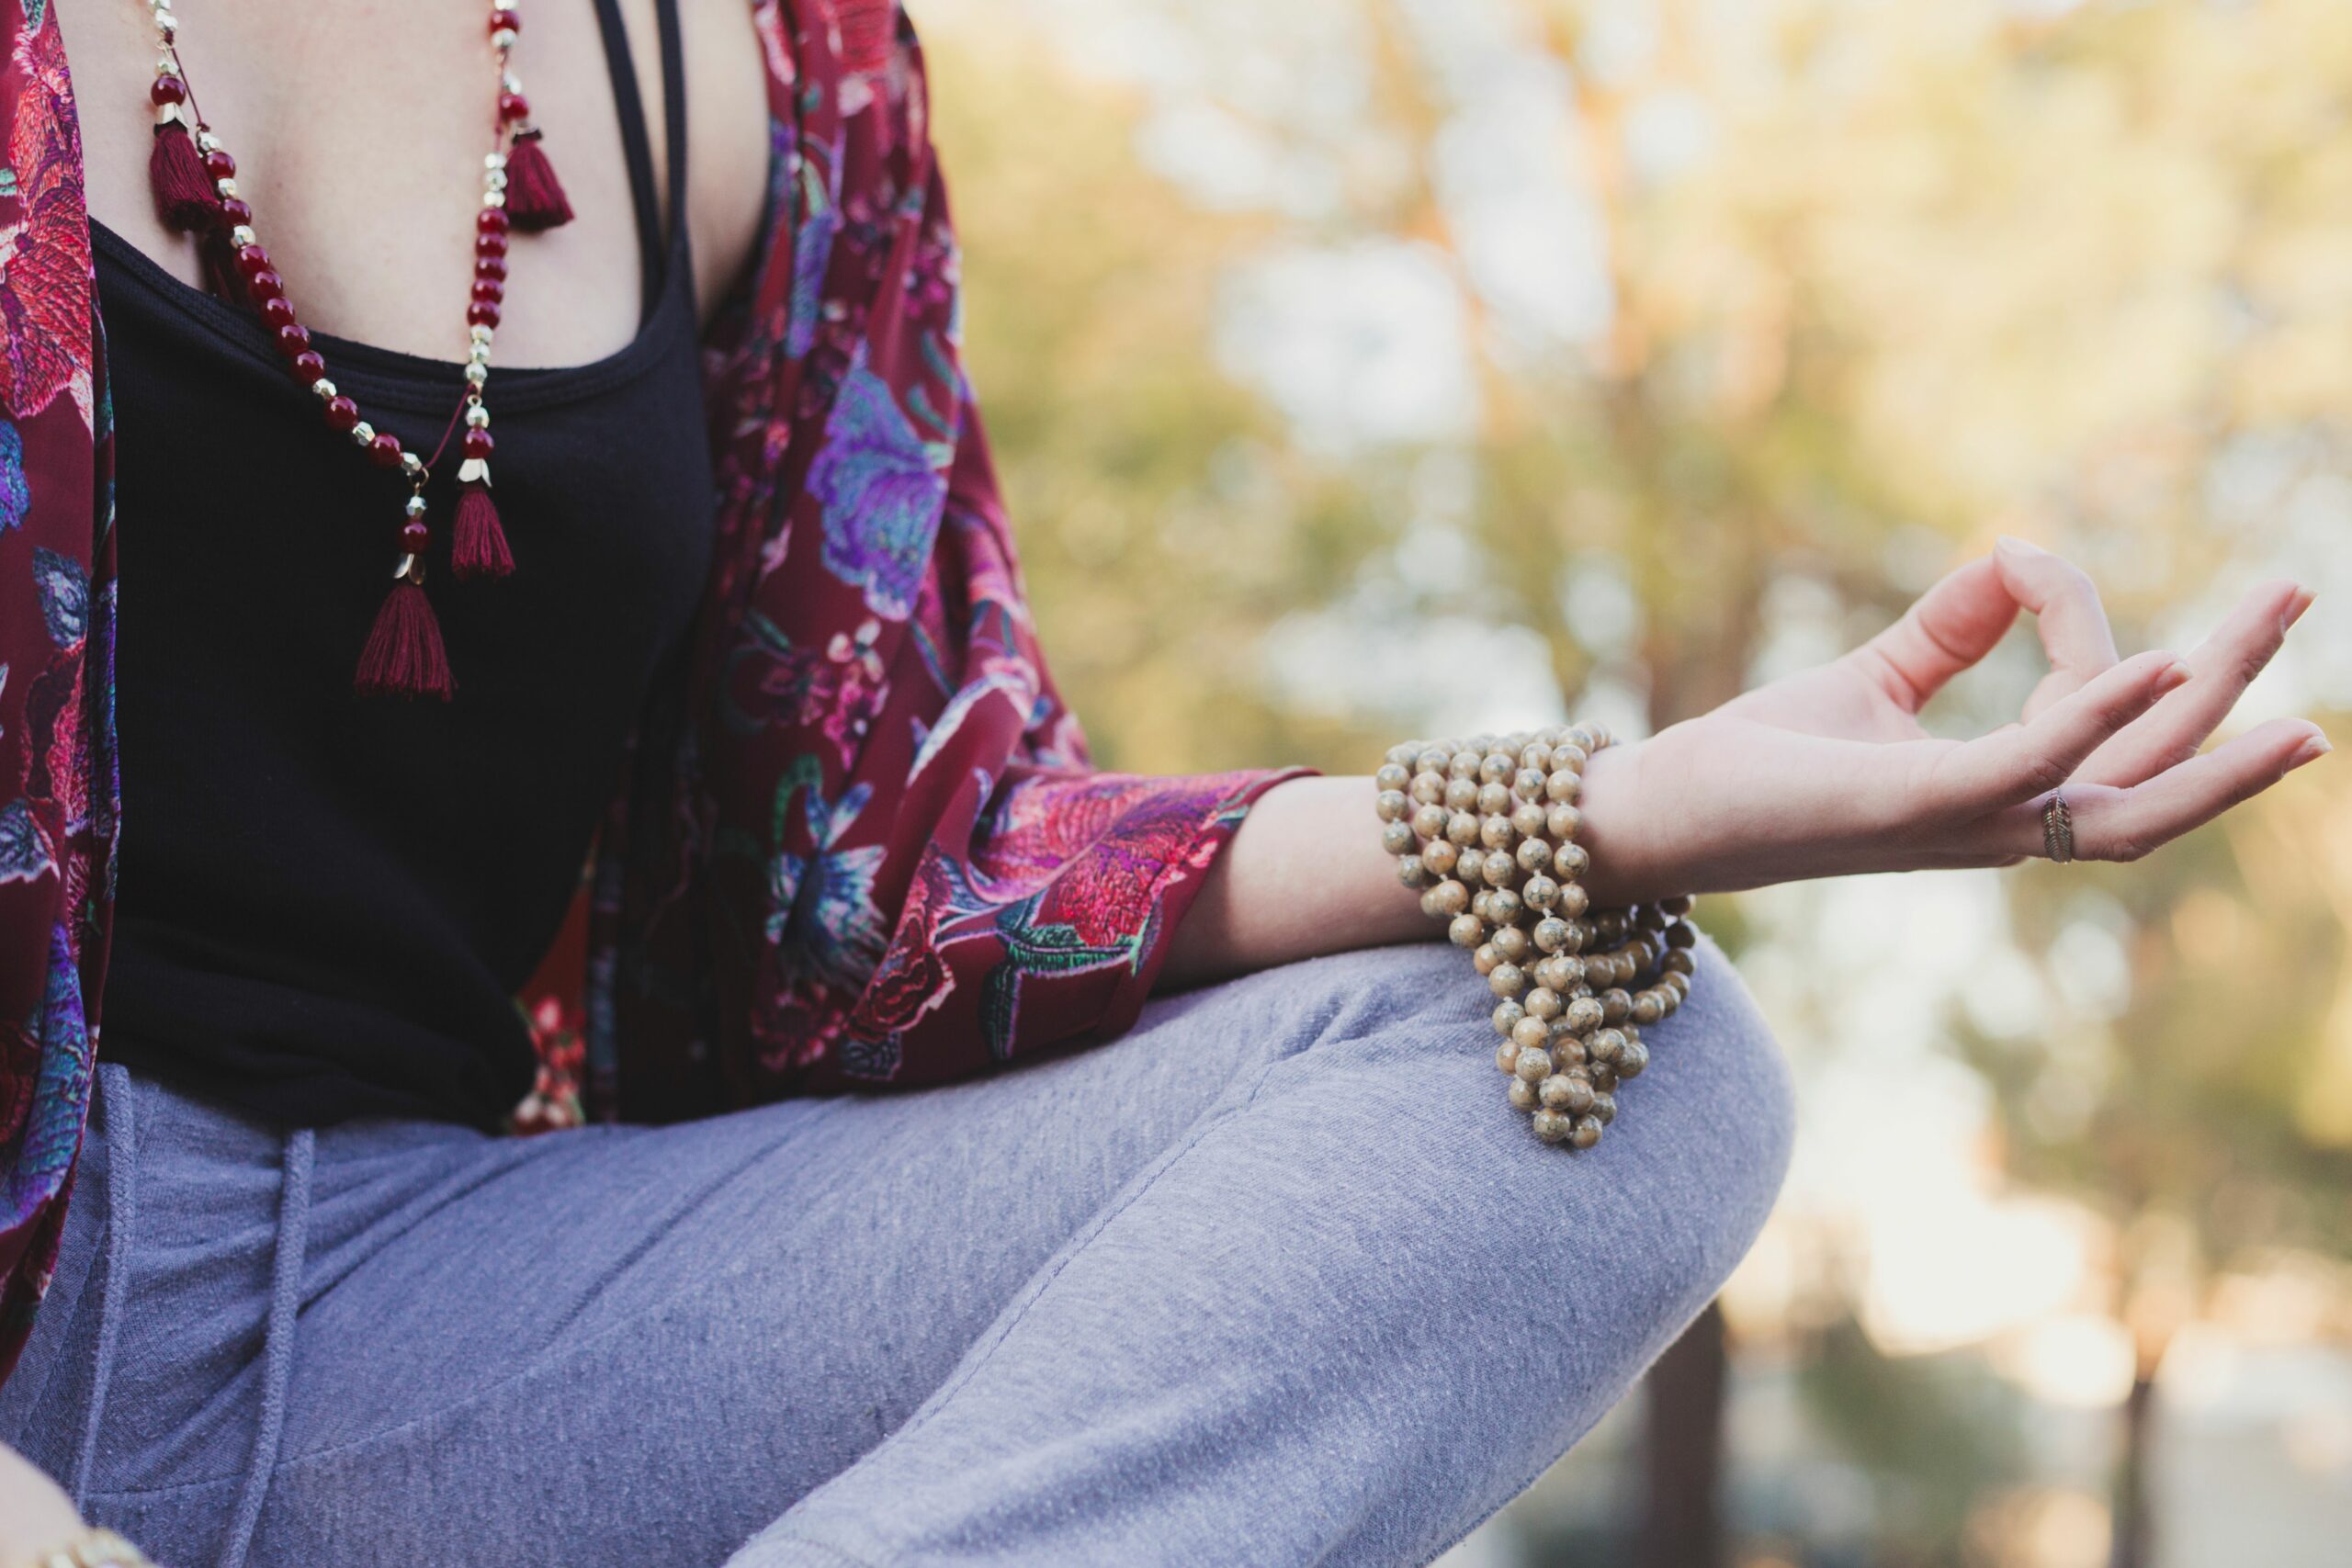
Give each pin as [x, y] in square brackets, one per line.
[863, 848]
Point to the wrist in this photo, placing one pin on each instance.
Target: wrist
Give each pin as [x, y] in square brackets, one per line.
[1626, 866]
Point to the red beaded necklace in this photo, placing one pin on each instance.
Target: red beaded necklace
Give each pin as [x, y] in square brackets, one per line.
[196, 192]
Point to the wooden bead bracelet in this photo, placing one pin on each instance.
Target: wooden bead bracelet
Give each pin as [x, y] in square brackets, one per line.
[1485, 831]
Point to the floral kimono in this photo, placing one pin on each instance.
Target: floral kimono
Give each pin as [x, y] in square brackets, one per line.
[863, 849]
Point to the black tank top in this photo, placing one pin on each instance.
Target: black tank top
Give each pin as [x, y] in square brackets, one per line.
[326, 902]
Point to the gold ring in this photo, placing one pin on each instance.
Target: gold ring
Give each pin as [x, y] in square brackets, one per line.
[2058, 828]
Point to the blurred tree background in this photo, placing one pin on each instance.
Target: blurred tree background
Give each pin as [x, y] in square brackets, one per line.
[1360, 367]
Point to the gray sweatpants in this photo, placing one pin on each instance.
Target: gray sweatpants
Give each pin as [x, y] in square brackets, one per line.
[1275, 1279]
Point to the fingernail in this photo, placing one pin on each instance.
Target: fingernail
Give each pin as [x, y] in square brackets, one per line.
[2018, 546]
[2311, 749]
[2175, 676]
[2298, 603]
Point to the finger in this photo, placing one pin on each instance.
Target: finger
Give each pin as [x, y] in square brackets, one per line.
[2221, 669]
[2034, 758]
[2112, 824]
[2066, 612]
[1951, 627]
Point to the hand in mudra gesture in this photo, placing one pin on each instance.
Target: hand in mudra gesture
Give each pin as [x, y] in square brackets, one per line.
[1828, 773]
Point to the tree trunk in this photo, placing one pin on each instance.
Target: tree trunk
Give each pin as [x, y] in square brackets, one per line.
[1683, 1451]
[2134, 1531]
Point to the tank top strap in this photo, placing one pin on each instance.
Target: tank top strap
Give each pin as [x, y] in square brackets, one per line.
[653, 237]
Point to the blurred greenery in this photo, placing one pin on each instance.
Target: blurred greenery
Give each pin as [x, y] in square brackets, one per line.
[1875, 283]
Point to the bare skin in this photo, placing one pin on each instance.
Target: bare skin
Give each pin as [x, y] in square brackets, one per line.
[1823, 773]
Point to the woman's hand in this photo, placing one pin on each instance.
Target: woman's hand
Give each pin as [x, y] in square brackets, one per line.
[34, 1515]
[1828, 773]
[1822, 774]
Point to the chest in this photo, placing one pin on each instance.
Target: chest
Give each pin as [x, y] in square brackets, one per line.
[359, 127]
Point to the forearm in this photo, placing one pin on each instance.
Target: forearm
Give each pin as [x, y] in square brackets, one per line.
[1305, 876]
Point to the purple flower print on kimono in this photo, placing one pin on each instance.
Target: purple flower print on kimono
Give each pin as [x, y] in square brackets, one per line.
[882, 488]
[15, 495]
[826, 923]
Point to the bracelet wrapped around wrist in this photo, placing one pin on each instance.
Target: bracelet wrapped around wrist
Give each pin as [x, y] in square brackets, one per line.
[1485, 829]
[89, 1549]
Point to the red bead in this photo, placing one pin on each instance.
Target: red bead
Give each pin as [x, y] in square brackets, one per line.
[504, 20]
[490, 266]
[385, 451]
[293, 339]
[414, 537]
[489, 290]
[310, 367]
[481, 313]
[491, 241]
[514, 106]
[266, 285]
[478, 444]
[168, 90]
[252, 259]
[342, 413]
[235, 211]
[491, 220]
[277, 311]
[219, 166]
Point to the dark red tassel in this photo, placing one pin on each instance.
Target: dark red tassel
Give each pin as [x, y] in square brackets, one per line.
[403, 657]
[479, 551]
[535, 198]
[184, 198]
[220, 266]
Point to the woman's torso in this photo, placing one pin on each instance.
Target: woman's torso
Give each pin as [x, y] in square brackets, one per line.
[325, 903]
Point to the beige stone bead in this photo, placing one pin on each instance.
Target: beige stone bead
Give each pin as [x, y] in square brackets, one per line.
[1466, 930]
[1497, 833]
[1479, 900]
[1507, 1055]
[1540, 892]
[1392, 805]
[1536, 754]
[1469, 865]
[1571, 861]
[1534, 1064]
[1391, 775]
[1528, 822]
[1544, 1003]
[1528, 784]
[1680, 962]
[1507, 979]
[1551, 1127]
[1551, 933]
[1567, 1091]
[1567, 1050]
[1503, 906]
[1532, 855]
[1679, 981]
[1679, 906]
[1615, 1005]
[1646, 1007]
[1501, 871]
[1531, 1034]
[1403, 753]
[1431, 908]
[1583, 1015]
[1432, 759]
[1507, 1015]
[1486, 958]
[1579, 735]
[1397, 839]
[1462, 795]
[1452, 897]
[1668, 1000]
[1561, 822]
[1574, 899]
[1600, 970]
[1603, 1044]
[1493, 768]
[1440, 853]
[1632, 1059]
[1604, 1109]
[1604, 1076]
[1462, 827]
[1585, 1133]
[1429, 822]
[1512, 943]
[1427, 789]
[1564, 786]
[1522, 1095]
[1682, 934]
[1493, 799]
[1569, 757]
[1413, 874]
[1461, 765]
[1559, 973]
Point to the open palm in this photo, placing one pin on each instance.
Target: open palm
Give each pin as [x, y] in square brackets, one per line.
[1829, 772]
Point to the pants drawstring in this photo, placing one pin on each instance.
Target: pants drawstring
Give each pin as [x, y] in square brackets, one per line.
[278, 1343]
[115, 1102]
